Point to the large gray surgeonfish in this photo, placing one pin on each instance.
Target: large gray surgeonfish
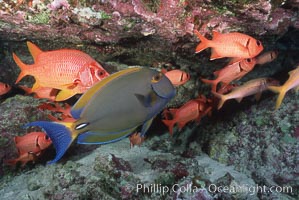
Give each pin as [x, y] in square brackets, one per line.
[112, 109]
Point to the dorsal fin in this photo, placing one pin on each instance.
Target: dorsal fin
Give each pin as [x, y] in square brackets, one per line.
[34, 50]
[216, 34]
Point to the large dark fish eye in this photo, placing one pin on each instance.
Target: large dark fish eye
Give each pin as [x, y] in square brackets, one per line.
[100, 73]
[47, 137]
[156, 78]
[258, 43]
[248, 60]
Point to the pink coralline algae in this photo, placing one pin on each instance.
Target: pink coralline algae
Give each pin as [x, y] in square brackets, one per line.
[280, 19]
[57, 4]
[170, 18]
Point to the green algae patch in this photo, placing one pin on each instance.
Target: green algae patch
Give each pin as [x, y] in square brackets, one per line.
[39, 18]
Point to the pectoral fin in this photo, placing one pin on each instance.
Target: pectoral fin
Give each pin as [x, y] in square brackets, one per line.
[146, 101]
[35, 86]
[64, 95]
[258, 96]
[239, 99]
[215, 55]
[72, 85]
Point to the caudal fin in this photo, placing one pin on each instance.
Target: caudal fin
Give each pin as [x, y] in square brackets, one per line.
[60, 135]
[211, 82]
[222, 99]
[22, 66]
[204, 42]
[281, 91]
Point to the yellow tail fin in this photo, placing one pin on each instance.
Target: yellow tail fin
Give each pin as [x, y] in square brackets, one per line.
[281, 91]
[222, 99]
[279, 99]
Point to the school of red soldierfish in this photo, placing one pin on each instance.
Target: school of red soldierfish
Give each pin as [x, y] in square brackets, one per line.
[60, 74]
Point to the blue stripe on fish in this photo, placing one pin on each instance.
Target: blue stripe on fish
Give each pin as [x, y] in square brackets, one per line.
[59, 134]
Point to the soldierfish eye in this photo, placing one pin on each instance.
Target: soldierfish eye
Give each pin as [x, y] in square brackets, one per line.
[47, 137]
[258, 43]
[248, 60]
[156, 78]
[100, 74]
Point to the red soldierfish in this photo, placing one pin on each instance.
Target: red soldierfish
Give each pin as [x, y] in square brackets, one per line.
[4, 88]
[236, 45]
[30, 146]
[69, 70]
[65, 112]
[177, 77]
[193, 110]
[231, 72]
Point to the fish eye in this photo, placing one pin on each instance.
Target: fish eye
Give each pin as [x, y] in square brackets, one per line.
[6, 86]
[100, 73]
[156, 78]
[47, 137]
[248, 60]
[258, 43]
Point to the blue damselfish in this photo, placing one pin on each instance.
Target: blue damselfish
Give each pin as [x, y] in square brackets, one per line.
[112, 109]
